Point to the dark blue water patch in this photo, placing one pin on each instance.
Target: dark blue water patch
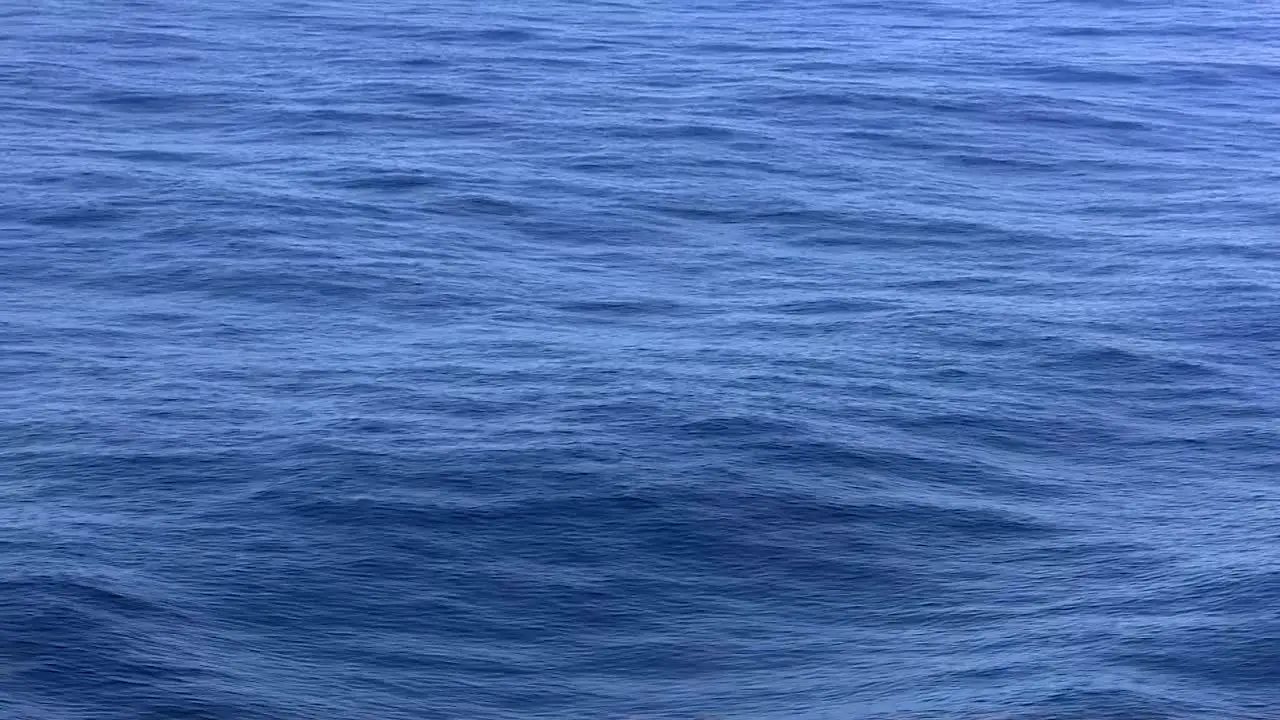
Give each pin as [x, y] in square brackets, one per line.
[392, 181]
[1067, 74]
[82, 216]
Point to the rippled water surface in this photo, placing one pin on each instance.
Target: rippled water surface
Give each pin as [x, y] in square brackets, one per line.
[648, 359]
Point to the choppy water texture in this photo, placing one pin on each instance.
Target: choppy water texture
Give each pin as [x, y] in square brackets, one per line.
[652, 359]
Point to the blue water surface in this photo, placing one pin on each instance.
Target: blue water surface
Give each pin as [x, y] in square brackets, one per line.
[639, 359]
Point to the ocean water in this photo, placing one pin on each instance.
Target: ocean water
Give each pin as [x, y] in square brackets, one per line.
[639, 359]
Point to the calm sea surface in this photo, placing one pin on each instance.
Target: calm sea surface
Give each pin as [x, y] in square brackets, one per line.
[647, 359]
